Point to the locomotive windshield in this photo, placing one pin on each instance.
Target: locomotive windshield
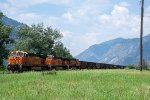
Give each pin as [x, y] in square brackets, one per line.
[16, 54]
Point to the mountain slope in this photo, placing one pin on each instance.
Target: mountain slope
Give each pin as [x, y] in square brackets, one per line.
[13, 23]
[117, 51]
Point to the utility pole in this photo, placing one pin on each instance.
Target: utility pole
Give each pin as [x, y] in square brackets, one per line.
[141, 36]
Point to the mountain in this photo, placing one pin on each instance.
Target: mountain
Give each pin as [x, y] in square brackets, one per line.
[118, 51]
[13, 23]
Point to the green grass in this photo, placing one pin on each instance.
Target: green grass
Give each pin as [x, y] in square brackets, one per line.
[76, 85]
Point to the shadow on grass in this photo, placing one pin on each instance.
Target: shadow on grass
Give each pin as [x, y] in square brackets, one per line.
[5, 72]
[53, 72]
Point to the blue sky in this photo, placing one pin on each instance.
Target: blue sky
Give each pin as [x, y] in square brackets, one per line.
[82, 22]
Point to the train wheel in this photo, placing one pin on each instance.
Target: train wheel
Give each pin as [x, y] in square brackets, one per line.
[11, 69]
[20, 69]
[74, 68]
[49, 67]
[67, 67]
[55, 68]
[8, 68]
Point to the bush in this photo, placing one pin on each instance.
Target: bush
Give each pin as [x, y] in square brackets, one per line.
[53, 72]
[130, 66]
[2, 67]
[1, 61]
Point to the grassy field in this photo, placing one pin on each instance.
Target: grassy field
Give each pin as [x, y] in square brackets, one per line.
[76, 85]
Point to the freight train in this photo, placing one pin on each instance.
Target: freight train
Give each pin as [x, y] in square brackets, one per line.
[19, 61]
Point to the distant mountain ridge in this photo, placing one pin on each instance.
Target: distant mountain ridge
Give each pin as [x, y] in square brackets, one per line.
[13, 23]
[117, 51]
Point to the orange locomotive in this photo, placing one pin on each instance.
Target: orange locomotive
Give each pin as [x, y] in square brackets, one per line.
[23, 61]
[53, 62]
[61, 63]
[20, 61]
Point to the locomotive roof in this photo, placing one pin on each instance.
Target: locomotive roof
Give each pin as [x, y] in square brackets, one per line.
[39, 55]
[19, 52]
[65, 58]
[31, 54]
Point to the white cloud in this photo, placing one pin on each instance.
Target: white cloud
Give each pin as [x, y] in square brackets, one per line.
[90, 38]
[28, 3]
[119, 16]
[7, 9]
[87, 9]
[104, 18]
[121, 21]
[29, 18]
[147, 10]
[69, 17]
[67, 34]
[119, 10]
[124, 4]
[35, 18]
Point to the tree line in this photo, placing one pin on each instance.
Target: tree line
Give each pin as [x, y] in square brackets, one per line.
[34, 39]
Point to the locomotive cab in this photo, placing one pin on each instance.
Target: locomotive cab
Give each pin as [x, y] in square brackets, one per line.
[16, 57]
[15, 60]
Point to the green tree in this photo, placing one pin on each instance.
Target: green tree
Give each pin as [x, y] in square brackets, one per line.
[4, 39]
[38, 39]
[145, 64]
[130, 66]
[61, 51]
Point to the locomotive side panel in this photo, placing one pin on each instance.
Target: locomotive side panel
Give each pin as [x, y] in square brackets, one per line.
[74, 64]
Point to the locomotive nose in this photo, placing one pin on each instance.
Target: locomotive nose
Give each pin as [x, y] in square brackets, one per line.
[18, 60]
[11, 60]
